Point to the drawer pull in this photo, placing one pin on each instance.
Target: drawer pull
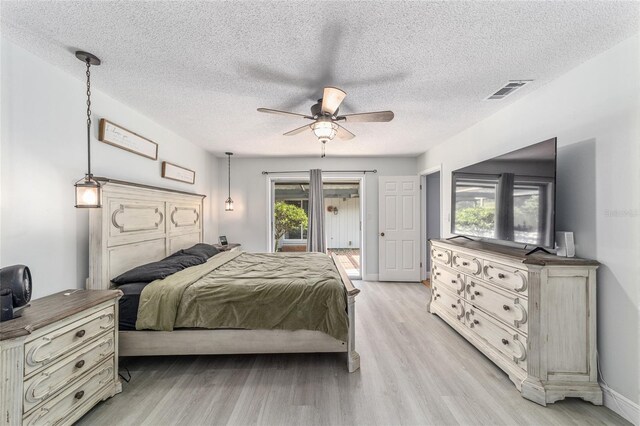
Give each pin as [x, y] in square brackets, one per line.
[80, 363]
[476, 322]
[454, 281]
[439, 255]
[523, 352]
[523, 315]
[453, 305]
[477, 293]
[79, 394]
[43, 412]
[505, 342]
[501, 275]
[465, 263]
[506, 307]
[80, 333]
[437, 273]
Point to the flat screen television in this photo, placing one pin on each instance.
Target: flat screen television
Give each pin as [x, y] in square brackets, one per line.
[508, 198]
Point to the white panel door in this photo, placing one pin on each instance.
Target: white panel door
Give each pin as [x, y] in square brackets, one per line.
[399, 223]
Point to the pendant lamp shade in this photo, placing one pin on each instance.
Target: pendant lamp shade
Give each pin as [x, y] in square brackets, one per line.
[88, 193]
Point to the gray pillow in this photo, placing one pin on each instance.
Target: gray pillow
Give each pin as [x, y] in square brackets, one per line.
[158, 270]
[202, 250]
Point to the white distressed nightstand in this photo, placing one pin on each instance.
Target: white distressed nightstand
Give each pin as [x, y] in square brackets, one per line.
[229, 247]
[60, 358]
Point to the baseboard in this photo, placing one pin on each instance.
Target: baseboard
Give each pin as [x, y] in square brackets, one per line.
[621, 405]
[371, 277]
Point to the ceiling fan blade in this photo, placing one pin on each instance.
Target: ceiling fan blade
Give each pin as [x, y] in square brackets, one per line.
[378, 116]
[332, 97]
[275, 111]
[298, 130]
[343, 133]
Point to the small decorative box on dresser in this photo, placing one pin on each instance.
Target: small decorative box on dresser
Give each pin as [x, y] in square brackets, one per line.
[534, 316]
[60, 358]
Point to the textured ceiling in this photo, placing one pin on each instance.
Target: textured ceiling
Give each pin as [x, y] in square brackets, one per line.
[202, 68]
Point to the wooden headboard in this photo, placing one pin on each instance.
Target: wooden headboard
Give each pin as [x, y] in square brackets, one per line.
[138, 224]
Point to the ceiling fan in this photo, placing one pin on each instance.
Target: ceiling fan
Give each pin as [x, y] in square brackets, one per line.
[325, 117]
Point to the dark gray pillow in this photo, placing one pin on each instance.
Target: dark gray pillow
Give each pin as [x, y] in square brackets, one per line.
[158, 270]
[202, 250]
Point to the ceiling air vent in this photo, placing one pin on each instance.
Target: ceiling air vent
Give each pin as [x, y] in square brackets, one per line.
[509, 88]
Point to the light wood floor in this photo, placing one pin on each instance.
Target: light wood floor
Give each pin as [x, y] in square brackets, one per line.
[415, 370]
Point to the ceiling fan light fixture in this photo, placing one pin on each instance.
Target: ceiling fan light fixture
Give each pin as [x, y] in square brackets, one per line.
[324, 114]
[324, 130]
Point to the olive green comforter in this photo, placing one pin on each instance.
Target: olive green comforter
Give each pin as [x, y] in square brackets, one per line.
[284, 291]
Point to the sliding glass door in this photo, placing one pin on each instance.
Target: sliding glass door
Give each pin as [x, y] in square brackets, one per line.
[342, 219]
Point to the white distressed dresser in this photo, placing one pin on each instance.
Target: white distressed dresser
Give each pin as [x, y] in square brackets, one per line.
[533, 316]
[60, 358]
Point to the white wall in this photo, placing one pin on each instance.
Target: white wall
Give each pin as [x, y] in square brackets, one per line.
[247, 224]
[594, 110]
[44, 152]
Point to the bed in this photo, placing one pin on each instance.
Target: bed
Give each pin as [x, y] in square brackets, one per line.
[140, 224]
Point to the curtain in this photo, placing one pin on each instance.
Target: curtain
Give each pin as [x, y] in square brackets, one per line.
[544, 218]
[315, 231]
[504, 207]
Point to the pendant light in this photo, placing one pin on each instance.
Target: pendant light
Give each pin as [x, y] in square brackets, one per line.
[228, 205]
[87, 188]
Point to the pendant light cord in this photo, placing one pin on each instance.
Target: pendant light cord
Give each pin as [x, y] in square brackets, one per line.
[88, 117]
[229, 169]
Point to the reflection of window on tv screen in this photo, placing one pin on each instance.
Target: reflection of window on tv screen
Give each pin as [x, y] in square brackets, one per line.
[476, 208]
[526, 214]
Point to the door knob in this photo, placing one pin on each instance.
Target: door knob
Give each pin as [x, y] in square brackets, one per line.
[382, 234]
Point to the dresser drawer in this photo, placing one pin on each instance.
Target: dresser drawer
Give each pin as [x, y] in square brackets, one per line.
[49, 347]
[505, 306]
[61, 406]
[449, 303]
[510, 343]
[441, 255]
[467, 264]
[51, 380]
[504, 276]
[448, 279]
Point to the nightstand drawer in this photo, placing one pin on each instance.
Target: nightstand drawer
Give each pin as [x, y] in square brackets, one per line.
[74, 396]
[56, 343]
[52, 379]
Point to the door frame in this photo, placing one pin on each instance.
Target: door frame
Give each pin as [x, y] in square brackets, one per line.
[424, 273]
[271, 179]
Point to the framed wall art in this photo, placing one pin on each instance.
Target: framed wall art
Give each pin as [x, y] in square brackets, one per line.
[175, 172]
[122, 138]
